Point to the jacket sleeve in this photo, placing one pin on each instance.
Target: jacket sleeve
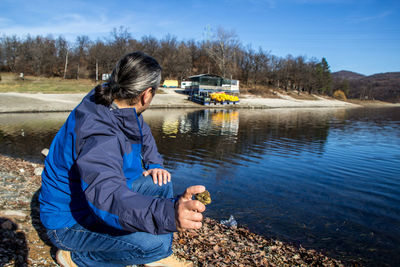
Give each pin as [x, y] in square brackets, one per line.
[151, 158]
[100, 167]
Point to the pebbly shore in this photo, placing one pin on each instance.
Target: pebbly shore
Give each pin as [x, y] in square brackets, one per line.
[23, 241]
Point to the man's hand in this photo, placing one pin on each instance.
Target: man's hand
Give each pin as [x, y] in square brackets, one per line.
[187, 211]
[159, 175]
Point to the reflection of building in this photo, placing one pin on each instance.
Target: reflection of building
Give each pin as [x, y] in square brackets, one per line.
[170, 122]
[221, 122]
[228, 120]
[208, 83]
[170, 127]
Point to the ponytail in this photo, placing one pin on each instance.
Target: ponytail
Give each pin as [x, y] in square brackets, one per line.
[133, 74]
[103, 94]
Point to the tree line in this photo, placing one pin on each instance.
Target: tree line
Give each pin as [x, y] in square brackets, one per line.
[221, 53]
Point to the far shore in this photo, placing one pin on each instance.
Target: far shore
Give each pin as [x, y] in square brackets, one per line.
[12, 102]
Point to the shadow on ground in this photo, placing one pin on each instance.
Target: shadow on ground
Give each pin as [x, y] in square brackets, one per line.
[37, 224]
[13, 246]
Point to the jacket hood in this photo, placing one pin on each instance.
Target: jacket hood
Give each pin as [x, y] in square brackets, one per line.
[126, 119]
[129, 122]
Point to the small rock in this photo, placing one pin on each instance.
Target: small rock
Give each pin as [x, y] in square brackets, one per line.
[15, 213]
[45, 152]
[38, 171]
[21, 170]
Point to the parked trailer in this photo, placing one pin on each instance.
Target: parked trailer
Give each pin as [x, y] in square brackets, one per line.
[170, 83]
[186, 84]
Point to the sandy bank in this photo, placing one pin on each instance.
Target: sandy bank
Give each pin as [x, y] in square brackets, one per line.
[24, 102]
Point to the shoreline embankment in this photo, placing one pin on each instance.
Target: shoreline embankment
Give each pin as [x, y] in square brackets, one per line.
[37, 102]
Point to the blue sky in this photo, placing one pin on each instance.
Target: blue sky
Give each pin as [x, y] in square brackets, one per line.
[357, 35]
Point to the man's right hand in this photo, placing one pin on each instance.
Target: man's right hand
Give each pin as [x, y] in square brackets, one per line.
[187, 211]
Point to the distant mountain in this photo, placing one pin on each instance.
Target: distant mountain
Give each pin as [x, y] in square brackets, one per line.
[348, 75]
[385, 76]
[381, 86]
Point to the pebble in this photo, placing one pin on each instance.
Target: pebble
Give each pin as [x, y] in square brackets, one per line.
[15, 213]
[38, 171]
[45, 152]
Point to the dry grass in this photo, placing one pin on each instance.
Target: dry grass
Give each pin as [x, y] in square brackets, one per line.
[368, 102]
[269, 92]
[262, 91]
[301, 96]
[10, 82]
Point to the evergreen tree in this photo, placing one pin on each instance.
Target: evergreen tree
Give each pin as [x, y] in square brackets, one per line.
[324, 77]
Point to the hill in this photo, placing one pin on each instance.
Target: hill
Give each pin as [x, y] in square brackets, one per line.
[348, 75]
[381, 86]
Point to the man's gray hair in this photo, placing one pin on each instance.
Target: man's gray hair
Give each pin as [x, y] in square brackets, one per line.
[133, 74]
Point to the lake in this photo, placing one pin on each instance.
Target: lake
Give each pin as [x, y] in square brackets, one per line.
[328, 179]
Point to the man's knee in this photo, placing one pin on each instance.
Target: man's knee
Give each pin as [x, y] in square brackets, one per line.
[156, 245]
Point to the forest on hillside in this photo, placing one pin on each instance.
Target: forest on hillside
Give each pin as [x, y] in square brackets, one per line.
[381, 86]
[222, 53]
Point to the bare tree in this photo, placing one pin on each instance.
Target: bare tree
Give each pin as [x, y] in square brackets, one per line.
[168, 56]
[184, 61]
[119, 42]
[150, 45]
[62, 57]
[222, 48]
[10, 48]
[99, 53]
[82, 45]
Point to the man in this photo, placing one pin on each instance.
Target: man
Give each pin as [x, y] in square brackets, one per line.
[106, 199]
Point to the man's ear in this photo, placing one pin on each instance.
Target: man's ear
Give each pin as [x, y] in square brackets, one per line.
[147, 96]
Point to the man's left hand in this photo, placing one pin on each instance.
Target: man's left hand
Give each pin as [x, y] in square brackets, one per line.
[159, 175]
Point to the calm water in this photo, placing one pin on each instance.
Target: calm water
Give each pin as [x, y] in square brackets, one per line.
[327, 179]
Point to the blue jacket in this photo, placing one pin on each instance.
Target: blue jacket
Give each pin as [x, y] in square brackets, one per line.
[91, 164]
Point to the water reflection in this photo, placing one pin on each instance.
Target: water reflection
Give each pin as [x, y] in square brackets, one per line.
[230, 137]
[25, 135]
[325, 178]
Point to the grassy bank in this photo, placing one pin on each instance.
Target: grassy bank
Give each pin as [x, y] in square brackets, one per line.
[10, 82]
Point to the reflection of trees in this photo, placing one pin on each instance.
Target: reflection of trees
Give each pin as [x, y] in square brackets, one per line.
[27, 146]
[209, 137]
[200, 136]
[25, 135]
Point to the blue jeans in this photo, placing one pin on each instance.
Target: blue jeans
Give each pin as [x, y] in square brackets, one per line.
[94, 245]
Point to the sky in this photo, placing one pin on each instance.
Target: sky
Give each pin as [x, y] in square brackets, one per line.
[356, 35]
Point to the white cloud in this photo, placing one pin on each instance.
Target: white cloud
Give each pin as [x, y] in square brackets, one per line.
[358, 19]
[69, 25]
[4, 22]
